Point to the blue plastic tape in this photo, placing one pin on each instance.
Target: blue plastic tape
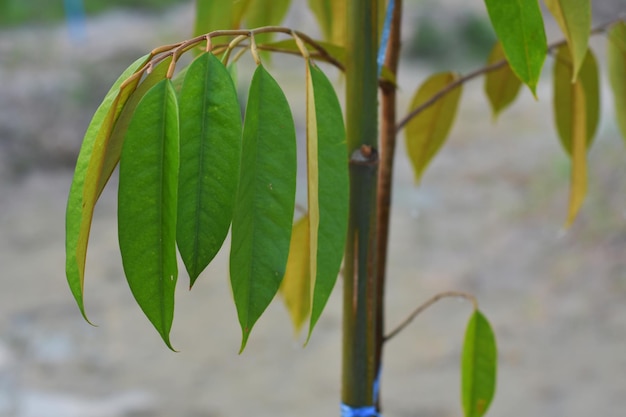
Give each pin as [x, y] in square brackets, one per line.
[384, 39]
[367, 411]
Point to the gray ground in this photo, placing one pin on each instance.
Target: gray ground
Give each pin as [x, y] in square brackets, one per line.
[486, 219]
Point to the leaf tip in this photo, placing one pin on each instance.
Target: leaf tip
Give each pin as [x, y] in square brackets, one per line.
[245, 333]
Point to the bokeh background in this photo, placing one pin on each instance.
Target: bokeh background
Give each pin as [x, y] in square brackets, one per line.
[487, 218]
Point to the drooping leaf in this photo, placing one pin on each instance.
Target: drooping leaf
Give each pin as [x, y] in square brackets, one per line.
[616, 52]
[296, 286]
[112, 145]
[331, 16]
[576, 110]
[578, 186]
[210, 149]
[262, 220]
[501, 85]
[328, 187]
[574, 19]
[564, 96]
[147, 201]
[519, 27]
[427, 132]
[478, 366]
[80, 210]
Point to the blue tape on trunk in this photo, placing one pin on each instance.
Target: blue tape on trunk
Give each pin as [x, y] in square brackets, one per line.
[384, 39]
[367, 411]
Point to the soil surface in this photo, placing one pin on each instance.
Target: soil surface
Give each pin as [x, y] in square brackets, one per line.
[487, 219]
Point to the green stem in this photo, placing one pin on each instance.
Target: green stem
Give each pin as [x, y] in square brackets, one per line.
[359, 323]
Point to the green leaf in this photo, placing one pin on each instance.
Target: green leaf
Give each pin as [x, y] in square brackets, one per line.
[616, 52]
[83, 195]
[576, 110]
[519, 27]
[501, 85]
[264, 207]
[574, 19]
[112, 145]
[427, 132]
[147, 198]
[296, 286]
[328, 187]
[331, 16]
[210, 150]
[479, 366]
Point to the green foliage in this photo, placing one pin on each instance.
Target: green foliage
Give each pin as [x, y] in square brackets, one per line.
[519, 27]
[265, 200]
[478, 366]
[190, 170]
[328, 191]
[210, 150]
[82, 196]
[574, 18]
[147, 197]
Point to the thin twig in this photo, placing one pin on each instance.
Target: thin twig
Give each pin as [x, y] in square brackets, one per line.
[435, 98]
[492, 67]
[421, 308]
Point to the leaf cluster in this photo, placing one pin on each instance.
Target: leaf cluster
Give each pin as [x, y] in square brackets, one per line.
[191, 170]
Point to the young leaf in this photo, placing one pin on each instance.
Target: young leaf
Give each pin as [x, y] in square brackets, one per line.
[574, 19]
[264, 206]
[519, 27]
[501, 85]
[210, 149]
[147, 197]
[331, 16]
[79, 209]
[616, 52]
[296, 286]
[576, 109]
[427, 132]
[478, 366]
[328, 187]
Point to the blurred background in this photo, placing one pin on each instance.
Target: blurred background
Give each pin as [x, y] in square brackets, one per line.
[487, 218]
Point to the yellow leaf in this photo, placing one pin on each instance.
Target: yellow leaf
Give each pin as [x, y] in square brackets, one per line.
[576, 115]
[616, 54]
[578, 186]
[564, 92]
[574, 19]
[331, 16]
[296, 286]
[501, 85]
[312, 175]
[427, 132]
